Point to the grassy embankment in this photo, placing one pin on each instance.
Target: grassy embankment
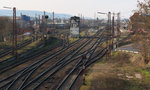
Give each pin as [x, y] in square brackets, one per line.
[117, 73]
[9, 43]
[52, 42]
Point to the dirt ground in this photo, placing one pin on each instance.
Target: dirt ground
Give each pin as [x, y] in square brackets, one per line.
[117, 73]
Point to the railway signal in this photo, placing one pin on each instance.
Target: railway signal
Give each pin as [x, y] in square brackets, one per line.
[44, 21]
[45, 36]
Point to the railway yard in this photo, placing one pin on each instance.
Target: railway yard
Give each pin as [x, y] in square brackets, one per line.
[74, 45]
[60, 67]
[56, 60]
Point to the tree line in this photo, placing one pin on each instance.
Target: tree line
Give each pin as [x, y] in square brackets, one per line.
[140, 24]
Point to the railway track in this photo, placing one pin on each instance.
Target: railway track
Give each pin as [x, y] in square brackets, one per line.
[68, 82]
[35, 75]
[55, 67]
[75, 77]
[69, 62]
[19, 46]
[39, 61]
[32, 56]
[10, 63]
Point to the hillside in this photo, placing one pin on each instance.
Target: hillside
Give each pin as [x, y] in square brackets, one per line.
[32, 13]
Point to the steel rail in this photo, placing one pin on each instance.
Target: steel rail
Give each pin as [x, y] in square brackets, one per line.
[75, 68]
[77, 64]
[51, 56]
[56, 70]
[50, 68]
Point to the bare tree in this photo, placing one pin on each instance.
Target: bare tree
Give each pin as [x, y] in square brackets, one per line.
[140, 22]
[5, 28]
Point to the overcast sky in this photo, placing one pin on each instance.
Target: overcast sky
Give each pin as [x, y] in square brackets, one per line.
[74, 7]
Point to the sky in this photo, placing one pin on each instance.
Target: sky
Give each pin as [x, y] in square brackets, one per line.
[88, 8]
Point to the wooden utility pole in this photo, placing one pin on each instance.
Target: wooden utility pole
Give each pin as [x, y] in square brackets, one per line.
[107, 28]
[113, 31]
[118, 24]
[44, 24]
[36, 21]
[118, 27]
[109, 33]
[53, 29]
[14, 41]
[39, 21]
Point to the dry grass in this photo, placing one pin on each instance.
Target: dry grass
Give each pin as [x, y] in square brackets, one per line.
[5, 57]
[117, 74]
[71, 40]
[28, 47]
